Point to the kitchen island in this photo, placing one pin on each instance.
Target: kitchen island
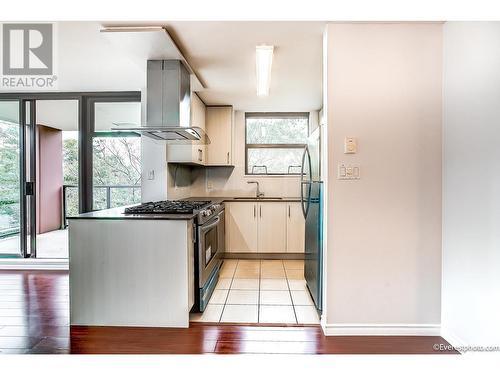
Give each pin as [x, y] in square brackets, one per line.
[131, 270]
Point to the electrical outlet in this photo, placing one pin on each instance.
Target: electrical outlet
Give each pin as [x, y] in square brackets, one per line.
[210, 185]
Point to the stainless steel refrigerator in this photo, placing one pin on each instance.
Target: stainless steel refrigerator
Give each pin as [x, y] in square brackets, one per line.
[312, 208]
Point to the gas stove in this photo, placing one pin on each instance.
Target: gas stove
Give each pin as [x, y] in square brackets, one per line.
[204, 210]
[167, 207]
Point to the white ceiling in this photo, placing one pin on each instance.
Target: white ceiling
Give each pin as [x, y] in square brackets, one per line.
[221, 53]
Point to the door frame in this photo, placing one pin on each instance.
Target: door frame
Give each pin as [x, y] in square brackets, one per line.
[86, 102]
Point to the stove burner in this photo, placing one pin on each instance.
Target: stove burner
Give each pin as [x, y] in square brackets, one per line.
[167, 207]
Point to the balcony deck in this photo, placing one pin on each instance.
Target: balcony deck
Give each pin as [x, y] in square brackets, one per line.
[53, 245]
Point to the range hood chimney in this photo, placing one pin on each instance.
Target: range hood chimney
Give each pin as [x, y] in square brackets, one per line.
[168, 105]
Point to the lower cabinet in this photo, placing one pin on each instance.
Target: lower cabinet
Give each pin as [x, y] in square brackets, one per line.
[295, 228]
[241, 227]
[264, 227]
[272, 227]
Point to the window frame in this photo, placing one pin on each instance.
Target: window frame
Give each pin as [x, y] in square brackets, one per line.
[279, 115]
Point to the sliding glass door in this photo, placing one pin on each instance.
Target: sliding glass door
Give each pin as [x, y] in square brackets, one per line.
[17, 179]
[10, 179]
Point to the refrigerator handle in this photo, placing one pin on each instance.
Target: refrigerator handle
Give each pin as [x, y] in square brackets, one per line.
[302, 166]
[305, 208]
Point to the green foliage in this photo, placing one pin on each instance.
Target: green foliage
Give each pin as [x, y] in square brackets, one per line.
[9, 176]
[276, 130]
[117, 161]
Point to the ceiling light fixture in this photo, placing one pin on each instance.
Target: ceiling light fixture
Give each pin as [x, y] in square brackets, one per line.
[264, 61]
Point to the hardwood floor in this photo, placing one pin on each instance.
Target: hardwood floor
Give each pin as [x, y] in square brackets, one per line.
[34, 318]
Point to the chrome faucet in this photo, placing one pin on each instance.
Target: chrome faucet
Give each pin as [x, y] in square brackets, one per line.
[258, 193]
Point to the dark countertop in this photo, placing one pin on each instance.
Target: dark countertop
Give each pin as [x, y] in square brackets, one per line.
[118, 212]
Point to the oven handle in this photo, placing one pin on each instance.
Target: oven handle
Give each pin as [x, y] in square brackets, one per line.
[209, 226]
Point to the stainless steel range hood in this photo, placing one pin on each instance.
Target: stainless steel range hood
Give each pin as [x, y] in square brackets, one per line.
[168, 105]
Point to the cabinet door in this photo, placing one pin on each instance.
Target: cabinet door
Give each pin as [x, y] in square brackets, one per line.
[242, 226]
[272, 227]
[295, 228]
[197, 111]
[219, 127]
[196, 153]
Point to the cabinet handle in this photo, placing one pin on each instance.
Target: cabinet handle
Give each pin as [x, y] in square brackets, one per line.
[228, 158]
[288, 210]
[260, 211]
[254, 210]
[200, 155]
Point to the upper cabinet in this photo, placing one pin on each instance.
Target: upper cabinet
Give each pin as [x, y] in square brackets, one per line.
[219, 127]
[217, 122]
[197, 112]
[195, 153]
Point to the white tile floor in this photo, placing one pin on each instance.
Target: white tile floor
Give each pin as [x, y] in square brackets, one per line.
[260, 291]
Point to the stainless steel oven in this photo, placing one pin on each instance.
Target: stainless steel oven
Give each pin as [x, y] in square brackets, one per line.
[209, 250]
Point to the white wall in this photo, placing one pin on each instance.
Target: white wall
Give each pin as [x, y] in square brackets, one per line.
[384, 230]
[471, 183]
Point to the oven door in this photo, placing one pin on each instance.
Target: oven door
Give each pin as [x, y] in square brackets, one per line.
[208, 249]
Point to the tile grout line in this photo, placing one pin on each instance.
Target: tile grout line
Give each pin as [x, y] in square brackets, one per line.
[291, 298]
[258, 300]
[228, 291]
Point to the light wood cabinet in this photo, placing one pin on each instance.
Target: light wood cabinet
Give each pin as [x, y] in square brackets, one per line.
[191, 153]
[295, 228]
[241, 224]
[219, 127]
[272, 227]
[264, 227]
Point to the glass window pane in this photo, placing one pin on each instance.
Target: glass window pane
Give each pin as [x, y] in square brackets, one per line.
[116, 159]
[274, 160]
[108, 114]
[9, 179]
[116, 171]
[274, 130]
[57, 170]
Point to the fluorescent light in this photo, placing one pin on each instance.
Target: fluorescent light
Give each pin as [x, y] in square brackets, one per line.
[264, 61]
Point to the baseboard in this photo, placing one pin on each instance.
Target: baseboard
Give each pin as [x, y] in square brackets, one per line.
[34, 264]
[452, 338]
[381, 329]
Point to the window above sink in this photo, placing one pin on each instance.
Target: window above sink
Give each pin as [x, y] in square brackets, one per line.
[274, 142]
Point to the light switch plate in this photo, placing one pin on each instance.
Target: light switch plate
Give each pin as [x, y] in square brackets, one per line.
[348, 171]
[350, 145]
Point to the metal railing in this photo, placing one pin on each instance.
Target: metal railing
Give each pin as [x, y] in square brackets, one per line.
[107, 202]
